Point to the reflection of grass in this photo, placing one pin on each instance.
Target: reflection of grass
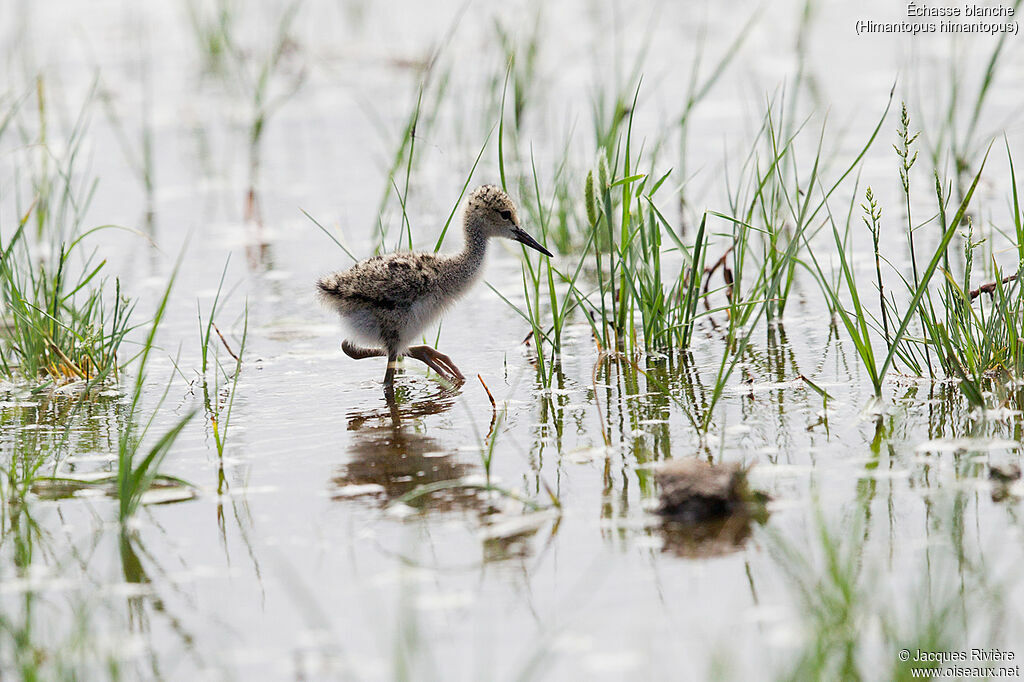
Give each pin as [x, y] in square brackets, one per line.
[32, 645]
[488, 487]
[44, 635]
[851, 621]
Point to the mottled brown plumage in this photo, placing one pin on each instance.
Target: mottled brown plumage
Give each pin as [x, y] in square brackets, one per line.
[387, 301]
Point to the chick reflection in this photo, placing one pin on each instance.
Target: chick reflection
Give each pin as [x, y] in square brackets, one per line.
[390, 450]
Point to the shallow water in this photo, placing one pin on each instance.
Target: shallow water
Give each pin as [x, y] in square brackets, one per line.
[297, 558]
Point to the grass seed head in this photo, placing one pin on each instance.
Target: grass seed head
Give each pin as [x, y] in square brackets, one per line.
[591, 200]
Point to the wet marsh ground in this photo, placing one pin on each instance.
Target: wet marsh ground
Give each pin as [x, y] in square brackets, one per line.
[198, 484]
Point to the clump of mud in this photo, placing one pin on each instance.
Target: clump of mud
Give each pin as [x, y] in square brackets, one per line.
[693, 491]
[706, 509]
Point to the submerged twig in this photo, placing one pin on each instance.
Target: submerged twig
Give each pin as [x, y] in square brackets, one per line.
[726, 274]
[490, 396]
[597, 403]
[494, 407]
[225, 342]
[990, 288]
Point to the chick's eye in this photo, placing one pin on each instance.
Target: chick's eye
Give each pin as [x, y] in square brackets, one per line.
[507, 215]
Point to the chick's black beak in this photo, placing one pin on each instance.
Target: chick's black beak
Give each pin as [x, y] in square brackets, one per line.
[520, 236]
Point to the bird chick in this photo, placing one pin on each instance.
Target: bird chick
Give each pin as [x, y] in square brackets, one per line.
[387, 301]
